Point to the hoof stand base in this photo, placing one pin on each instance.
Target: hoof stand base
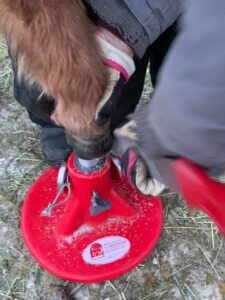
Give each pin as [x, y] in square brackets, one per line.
[79, 246]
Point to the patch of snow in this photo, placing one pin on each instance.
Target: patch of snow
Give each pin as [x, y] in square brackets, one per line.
[82, 295]
[155, 261]
[30, 284]
[4, 229]
[184, 249]
[209, 292]
[176, 293]
[171, 257]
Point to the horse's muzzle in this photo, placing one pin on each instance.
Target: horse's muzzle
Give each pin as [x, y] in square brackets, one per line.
[92, 147]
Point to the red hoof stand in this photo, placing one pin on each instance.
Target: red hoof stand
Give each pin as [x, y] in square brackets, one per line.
[78, 245]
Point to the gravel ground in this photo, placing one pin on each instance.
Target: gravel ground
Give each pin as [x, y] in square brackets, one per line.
[187, 263]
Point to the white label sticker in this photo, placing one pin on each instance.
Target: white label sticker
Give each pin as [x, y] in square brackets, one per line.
[106, 250]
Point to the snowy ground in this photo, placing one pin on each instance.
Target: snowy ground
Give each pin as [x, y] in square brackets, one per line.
[188, 262]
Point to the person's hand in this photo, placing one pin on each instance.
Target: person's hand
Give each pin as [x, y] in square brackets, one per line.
[134, 168]
[136, 171]
[119, 59]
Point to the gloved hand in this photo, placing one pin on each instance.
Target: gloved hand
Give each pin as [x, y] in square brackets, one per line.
[121, 67]
[134, 167]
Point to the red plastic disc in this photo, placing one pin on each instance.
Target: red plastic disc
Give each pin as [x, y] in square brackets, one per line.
[99, 248]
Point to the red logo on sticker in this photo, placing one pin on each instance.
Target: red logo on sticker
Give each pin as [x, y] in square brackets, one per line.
[96, 250]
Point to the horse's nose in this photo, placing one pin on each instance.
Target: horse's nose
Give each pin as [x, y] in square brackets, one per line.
[90, 148]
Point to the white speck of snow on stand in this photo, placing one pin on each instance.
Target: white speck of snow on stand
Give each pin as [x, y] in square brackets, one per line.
[69, 239]
[82, 230]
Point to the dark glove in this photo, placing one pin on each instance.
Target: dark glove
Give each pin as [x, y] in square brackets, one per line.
[134, 167]
[121, 67]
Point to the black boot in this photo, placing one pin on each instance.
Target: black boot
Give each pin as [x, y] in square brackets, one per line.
[54, 145]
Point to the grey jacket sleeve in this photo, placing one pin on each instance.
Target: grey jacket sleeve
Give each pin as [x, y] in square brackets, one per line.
[140, 22]
[186, 116]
